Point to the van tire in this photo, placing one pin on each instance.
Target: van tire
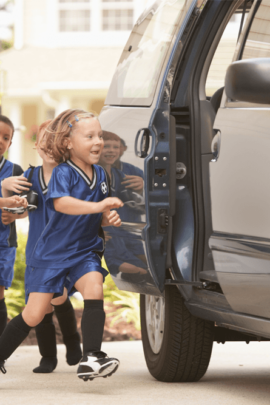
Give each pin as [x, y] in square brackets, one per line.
[187, 343]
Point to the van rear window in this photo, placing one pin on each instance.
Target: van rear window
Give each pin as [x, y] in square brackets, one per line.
[139, 68]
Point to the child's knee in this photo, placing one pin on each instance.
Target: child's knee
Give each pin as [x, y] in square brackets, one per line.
[93, 292]
[33, 316]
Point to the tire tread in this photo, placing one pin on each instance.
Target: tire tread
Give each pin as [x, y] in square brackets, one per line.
[187, 343]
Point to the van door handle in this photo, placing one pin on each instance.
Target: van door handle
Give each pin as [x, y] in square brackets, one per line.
[215, 146]
[142, 142]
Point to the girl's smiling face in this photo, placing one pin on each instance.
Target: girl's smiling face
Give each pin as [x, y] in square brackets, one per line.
[86, 142]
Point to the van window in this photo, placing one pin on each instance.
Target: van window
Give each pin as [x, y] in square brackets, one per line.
[258, 41]
[224, 54]
[138, 71]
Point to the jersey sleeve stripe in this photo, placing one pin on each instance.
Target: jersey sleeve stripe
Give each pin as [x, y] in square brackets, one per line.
[2, 162]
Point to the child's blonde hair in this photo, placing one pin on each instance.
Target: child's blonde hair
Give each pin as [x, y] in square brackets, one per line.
[57, 134]
[42, 126]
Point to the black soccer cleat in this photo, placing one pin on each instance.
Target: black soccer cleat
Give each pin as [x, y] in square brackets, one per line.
[2, 367]
[97, 364]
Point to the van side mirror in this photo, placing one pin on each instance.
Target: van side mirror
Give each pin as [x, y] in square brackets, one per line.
[249, 80]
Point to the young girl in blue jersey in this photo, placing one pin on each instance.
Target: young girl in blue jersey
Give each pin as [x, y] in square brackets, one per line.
[8, 238]
[38, 219]
[71, 245]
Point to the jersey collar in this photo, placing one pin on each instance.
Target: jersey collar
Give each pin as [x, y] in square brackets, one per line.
[42, 183]
[91, 184]
[2, 162]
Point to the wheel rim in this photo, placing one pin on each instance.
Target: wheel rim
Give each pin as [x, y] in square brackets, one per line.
[155, 314]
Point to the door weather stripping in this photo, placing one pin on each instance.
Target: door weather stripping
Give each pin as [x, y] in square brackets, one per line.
[197, 284]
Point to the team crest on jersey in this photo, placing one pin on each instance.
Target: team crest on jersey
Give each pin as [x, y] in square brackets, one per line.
[104, 187]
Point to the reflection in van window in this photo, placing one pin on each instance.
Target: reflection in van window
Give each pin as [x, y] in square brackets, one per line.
[258, 40]
[223, 56]
[137, 74]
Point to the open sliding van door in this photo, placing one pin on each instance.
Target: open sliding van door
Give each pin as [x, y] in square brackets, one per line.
[240, 194]
[140, 150]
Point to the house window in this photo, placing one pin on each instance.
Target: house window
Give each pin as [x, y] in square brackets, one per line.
[117, 20]
[84, 16]
[74, 20]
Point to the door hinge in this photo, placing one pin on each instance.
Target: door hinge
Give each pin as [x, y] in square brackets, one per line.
[163, 220]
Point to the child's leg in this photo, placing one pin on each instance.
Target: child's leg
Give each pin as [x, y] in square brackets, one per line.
[68, 325]
[19, 327]
[91, 287]
[3, 310]
[94, 362]
[45, 333]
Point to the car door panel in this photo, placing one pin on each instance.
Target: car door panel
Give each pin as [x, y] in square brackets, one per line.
[240, 199]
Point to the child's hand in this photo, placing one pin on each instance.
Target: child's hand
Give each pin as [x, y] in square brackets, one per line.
[7, 218]
[110, 203]
[13, 202]
[17, 184]
[111, 218]
[134, 182]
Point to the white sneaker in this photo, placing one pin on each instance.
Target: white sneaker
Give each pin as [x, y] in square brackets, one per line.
[97, 364]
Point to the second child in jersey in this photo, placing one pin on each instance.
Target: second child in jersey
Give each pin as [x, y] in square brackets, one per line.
[38, 220]
[72, 244]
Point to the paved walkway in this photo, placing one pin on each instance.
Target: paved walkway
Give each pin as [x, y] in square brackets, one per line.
[238, 374]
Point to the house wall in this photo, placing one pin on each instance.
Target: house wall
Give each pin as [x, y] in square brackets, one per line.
[32, 95]
[35, 22]
[41, 24]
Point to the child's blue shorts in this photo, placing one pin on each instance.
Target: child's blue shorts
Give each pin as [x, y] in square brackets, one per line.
[7, 260]
[50, 280]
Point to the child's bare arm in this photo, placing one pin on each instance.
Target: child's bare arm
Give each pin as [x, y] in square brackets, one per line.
[73, 206]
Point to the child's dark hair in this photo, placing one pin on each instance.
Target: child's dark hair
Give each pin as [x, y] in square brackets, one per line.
[57, 133]
[110, 136]
[7, 121]
[123, 142]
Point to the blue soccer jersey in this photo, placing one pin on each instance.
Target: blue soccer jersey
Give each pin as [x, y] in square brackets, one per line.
[39, 218]
[8, 237]
[69, 239]
[130, 170]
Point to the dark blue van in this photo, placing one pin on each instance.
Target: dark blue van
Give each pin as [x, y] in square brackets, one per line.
[187, 146]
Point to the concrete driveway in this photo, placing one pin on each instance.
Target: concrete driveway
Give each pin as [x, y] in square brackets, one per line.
[238, 374]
